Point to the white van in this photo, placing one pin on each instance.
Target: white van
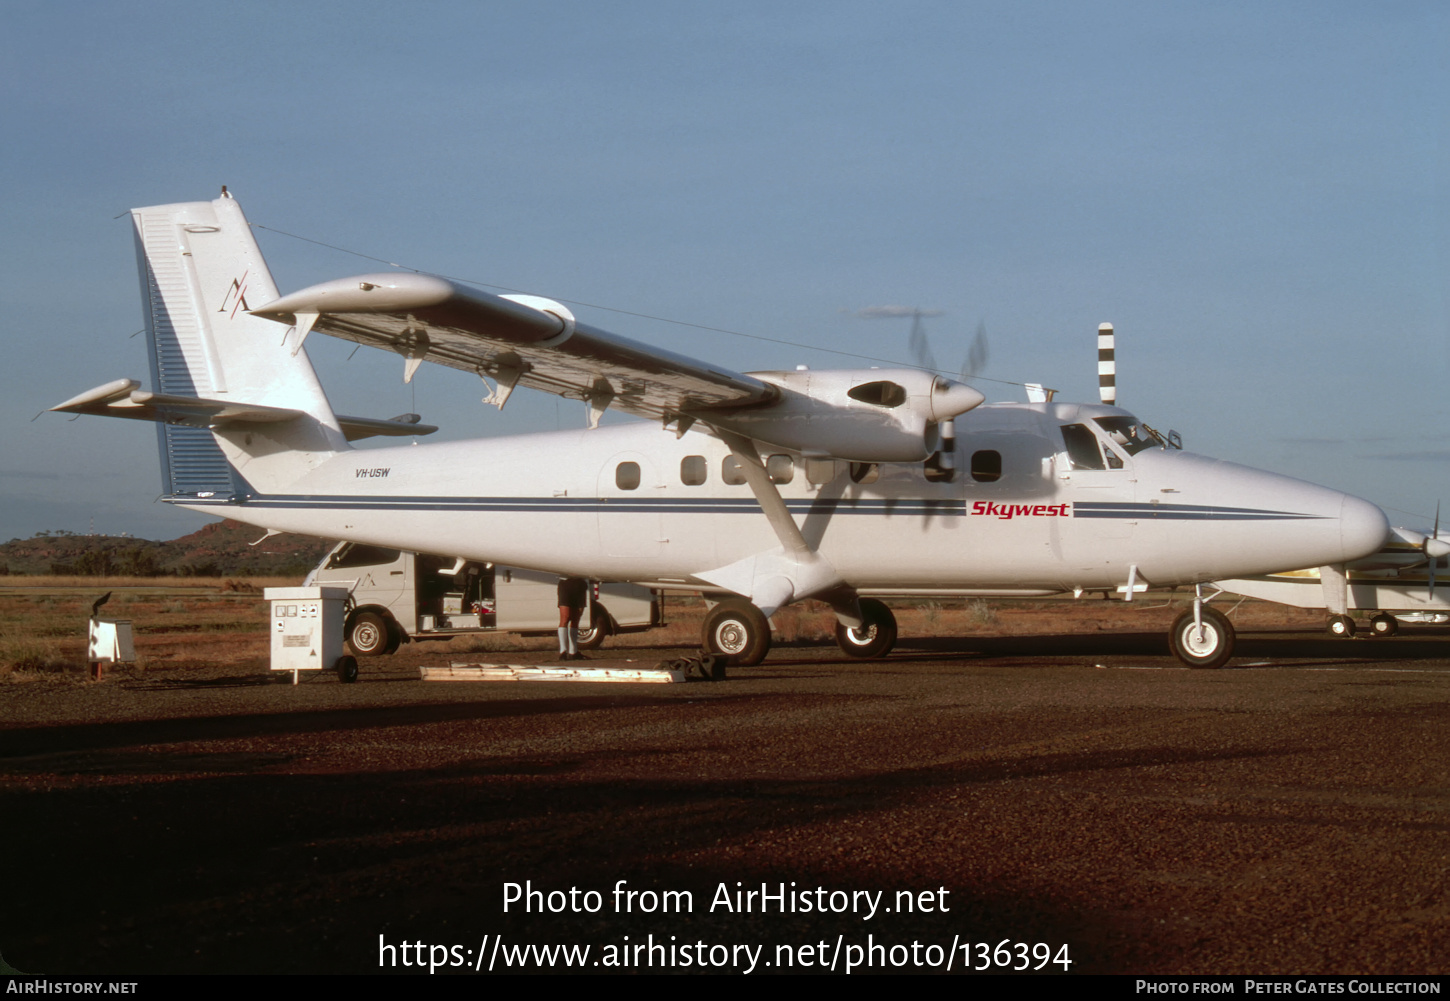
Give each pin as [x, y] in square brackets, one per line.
[397, 597]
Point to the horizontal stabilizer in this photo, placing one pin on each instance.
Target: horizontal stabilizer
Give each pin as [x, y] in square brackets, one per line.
[357, 428]
[124, 398]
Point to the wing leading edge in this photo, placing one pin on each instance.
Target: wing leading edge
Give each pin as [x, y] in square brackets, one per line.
[515, 340]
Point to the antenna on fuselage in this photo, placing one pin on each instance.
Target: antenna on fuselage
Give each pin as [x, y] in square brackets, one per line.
[1107, 366]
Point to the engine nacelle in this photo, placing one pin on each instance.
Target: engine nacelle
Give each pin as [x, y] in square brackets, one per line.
[861, 415]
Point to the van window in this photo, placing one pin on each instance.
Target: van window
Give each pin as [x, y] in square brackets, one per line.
[626, 476]
[357, 555]
[693, 470]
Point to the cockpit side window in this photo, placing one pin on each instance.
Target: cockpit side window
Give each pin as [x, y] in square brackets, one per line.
[1082, 447]
[1127, 433]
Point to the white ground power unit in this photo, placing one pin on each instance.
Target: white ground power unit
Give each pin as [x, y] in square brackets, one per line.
[307, 631]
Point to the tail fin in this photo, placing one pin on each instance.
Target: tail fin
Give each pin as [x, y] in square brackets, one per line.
[201, 272]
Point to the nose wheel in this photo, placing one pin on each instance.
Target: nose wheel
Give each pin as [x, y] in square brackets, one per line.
[1207, 642]
[1341, 626]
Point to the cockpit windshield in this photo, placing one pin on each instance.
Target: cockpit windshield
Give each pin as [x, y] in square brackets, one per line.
[1130, 434]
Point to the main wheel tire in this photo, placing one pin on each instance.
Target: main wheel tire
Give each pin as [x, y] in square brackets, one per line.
[1341, 626]
[368, 634]
[876, 636]
[346, 668]
[600, 626]
[1384, 624]
[737, 631]
[1212, 649]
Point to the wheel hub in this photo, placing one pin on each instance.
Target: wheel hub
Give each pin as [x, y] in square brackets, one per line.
[731, 637]
[1201, 644]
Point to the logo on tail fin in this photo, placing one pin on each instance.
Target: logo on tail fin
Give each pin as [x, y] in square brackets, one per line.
[239, 290]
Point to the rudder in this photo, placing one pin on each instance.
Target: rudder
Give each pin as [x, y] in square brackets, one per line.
[201, 272]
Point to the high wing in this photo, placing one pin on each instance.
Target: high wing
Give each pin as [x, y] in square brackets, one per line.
[517, 340]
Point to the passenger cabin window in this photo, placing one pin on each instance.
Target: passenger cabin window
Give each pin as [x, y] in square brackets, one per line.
[781, 468]
[1082, 447]
[987, 466]
[731, 472]
[865, 472]
[693, 470]
[626, 476]
[878, 394]
[820, 471]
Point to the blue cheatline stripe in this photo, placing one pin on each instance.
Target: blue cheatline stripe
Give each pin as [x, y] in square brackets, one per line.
[616, 505]
[1180, 512]
[887, 506]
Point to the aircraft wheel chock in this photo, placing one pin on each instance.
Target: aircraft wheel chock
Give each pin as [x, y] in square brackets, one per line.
[1341, 626]
[876, 636]
[1211, 648]
[736, 630]
[1384, 624]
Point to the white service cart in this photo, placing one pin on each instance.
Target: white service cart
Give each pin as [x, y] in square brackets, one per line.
[307, 631]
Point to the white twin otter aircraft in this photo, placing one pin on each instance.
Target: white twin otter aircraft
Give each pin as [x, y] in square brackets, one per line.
[757, 489]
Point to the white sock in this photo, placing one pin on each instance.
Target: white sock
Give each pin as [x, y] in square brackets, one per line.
[573, 639]
[563, 639]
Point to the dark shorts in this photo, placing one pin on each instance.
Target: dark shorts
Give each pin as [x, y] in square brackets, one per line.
[573, 592]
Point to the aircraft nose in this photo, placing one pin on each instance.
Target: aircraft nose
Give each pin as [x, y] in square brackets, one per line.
[1363, 528]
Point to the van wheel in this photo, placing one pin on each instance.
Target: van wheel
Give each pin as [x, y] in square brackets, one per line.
[600, 626]
[368, 634]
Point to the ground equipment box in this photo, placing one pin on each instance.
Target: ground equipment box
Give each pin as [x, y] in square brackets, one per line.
[307, 630]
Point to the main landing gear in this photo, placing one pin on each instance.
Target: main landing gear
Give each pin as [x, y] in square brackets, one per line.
[1202, 636]
[738, 632]
[1343, 627]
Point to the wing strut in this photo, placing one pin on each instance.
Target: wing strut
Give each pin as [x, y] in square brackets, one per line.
[793, 572]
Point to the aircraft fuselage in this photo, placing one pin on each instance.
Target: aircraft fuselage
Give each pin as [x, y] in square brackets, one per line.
[1029, 511]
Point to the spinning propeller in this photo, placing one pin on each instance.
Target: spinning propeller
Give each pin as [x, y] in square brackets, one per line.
[920, 345]
[1432, 546]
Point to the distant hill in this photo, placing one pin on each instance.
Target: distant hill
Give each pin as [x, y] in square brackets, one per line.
[221, 549]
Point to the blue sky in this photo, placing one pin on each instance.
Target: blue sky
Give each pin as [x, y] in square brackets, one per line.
[1254, 193]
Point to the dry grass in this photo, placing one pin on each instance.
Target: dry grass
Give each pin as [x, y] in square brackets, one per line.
[30, 584]
[175, 621]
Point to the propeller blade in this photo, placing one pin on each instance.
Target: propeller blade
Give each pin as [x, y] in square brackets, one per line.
[920, 347]
[976, 359]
